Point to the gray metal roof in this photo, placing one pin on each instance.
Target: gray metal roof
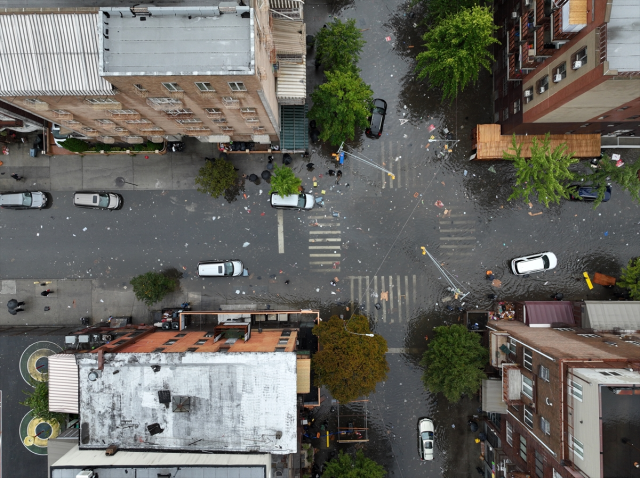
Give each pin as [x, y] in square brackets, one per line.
[545, 313]
[238, 402]
[623, 36]
[176, 41]
[492, 397]
[50, 55]
[608, 315]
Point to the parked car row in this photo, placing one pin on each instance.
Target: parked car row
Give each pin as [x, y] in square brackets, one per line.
[39, 200]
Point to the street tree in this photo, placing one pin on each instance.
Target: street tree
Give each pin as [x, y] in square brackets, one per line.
[349, 363]
[338, 46]
[625, 176]
[216, 177]
[347, 466]
[456, 49]
[152, 286]
[630, 278]
[454, 362]
[284, 182]
[340, 105]
[38, 401]
[438, 9]
[546, 173]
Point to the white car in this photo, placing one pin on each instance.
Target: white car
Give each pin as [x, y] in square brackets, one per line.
[535, 263]
[295, 201]
[230, 268]
[425, 439]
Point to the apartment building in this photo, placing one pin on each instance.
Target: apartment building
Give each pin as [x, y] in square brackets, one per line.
[568, 67]
[220, 73]
[570, 392]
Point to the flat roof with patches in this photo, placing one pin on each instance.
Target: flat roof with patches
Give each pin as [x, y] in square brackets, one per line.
[240, 402]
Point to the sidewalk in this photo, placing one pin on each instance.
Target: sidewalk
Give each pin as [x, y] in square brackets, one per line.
[71, 172]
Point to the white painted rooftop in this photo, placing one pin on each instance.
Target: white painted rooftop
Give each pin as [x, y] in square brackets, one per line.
[176, 41]
[623, 36]
[239, 402]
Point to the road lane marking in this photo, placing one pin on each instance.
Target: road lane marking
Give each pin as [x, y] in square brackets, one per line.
[280, 232]
[325, 247]
[324, 232]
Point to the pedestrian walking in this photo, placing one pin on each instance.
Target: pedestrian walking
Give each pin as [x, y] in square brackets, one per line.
[333, 283]
[338, 176]
[13, 303]
[45, 293]
[17, 309]
[17, 177]
[310, 167]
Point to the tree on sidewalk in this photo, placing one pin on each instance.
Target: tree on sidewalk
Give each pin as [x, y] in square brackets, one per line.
[216, 177]
[284, 182]
[606, 171]
[457, 48]
[454, 362]
[630, 278]
[546, 173]
[38, 401]
[340, 105]
[438, 9]
[338, 46]
[347, 466]
[152, 286]
[349, 365]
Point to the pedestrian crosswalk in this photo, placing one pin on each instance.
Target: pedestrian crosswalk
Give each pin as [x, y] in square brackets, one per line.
[324, 243]
[457, 235]
[395, 294]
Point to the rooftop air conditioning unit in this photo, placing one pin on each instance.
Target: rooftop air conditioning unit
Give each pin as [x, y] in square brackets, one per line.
[514, 14]
[557, 78]
[577, 64]
[527, 93]
[542, 89]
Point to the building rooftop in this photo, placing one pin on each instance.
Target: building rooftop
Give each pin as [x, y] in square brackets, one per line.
[227, 402]
[623, 36]
[611, 315]
[54, 54]
[177, 41]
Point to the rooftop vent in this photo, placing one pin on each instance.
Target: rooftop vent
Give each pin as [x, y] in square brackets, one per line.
[155, 368]
[164, 396]
[181, 404]
[154, 428]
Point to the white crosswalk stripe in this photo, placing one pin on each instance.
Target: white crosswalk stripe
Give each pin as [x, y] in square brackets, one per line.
[400, 292]
[457, 235]
[324, 243]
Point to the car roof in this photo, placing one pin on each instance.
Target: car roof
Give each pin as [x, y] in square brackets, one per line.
[530, 265]
[212, 268]
[291, 200]
[380, 102]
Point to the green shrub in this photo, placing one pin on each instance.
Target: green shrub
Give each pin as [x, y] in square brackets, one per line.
[75, 145]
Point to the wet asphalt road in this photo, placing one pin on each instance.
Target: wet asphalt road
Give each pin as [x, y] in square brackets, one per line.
[380, 228]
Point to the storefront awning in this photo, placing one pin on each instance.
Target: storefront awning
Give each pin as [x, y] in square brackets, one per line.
[63, 383]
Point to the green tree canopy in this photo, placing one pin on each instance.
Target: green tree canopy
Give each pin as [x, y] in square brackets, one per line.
[546, 173]
[38, 401]
[454, 362]
[349, 365]
[284, 181]
[347, 466]
[339, 45]
[457, 48]
[438, 9]
[152, 287]
[630, 278]
[340, 105]
[625, 176]
[215, 177]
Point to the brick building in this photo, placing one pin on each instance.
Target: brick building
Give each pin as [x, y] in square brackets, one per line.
[136, 73]
[570, 393]
[568, 66]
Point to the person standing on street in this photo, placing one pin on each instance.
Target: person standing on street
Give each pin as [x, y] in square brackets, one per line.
[46, 292]
[13, 303]
[17, 177]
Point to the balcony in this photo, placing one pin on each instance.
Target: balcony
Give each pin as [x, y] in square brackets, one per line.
[36, 104]
[511, 384]
[124, 114]
[251, 121]
[197, 131]
[248, 113]
[526, 26]
[499, 346]
[133, 139]
[90, 132]
[542, 46]
[542, 13]
[62, 114]
[230, 102]
[179, 113]
[164, 104]
[213, 113]
[527, 57]
[514, 36]
[514, 73]
[105, 124]
[106, 139]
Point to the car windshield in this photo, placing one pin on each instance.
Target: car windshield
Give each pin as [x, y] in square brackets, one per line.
[27, 200]
[302, 200]
[427, 435]
[545, 261]
[428, 445]
[378, 110]
[228, 268]
[103, 200]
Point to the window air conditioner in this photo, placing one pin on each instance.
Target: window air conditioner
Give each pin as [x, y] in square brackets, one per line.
[577, 64]
[542, 89]
[557, 78]
[527, 93]
[527, 2]
[514, 15]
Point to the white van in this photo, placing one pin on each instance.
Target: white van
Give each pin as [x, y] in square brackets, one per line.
[294, 201]
[230, 268]
[95, 200]
[534, 263]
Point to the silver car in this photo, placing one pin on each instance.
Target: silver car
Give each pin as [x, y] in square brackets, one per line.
[23, 200]
[230, 268]
[97, 200]
[425, 439]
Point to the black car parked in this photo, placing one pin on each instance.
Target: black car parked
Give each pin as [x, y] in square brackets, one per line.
[376, 120]
[588, 193]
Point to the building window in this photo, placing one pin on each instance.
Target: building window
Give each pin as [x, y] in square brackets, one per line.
[527, 387]
[138, 121]
[205, 86]
[201, 342]
[172, 87]
[226, 129]
[105, 122]
[539, 465]
[164, 101]
[633, 117]
[516, 106]
[139, 88]
[512, 346]
[192, 349]
[527, 359]
[509, 434]
[578, 447]
[576, 390]
[158, 350]
[580, 58]
[523, 448]
[634, 342]
[213, 111]
[496, 419]
[496, 117]
[189, 121]
[528, 94]
[623, 108]
[101, 101]
[556, 474]
[505, 57]
[34, 102]
[585, 125]
[248, 111]
[170, 342]
[616, 374]
[543, 372]
[545, 426]
[218, 119]
[528, 417]
[603, 117]
[591, 336]
[280, 349]
[505, 86]
[237, 86]
[505, 114]
[543, 84]
[560, 72]
[123, 112]
[564, 329]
